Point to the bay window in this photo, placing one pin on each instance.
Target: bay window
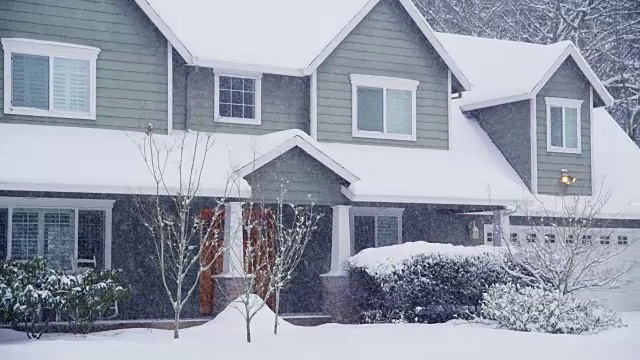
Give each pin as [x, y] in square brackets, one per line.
[564, 125]
[384, 108]
[44, 78]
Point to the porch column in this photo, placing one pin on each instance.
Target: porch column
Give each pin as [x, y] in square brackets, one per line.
[232, 262]
[340, 238]
[501, 227]
[108, 218]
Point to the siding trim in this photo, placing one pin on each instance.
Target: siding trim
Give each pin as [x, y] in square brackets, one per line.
[165, 30]
[313, 105]
[169, 88]
[417, 18]
[449, 89]
[304, 145]
[533, 125]
[584, 67]
[593, 180]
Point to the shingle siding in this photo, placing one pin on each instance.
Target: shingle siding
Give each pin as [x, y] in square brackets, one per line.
[131, 67]
[285, 102]
[567, 82]
[386, 43]
[508, 126]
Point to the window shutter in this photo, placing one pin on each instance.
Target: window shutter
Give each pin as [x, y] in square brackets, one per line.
[71, 85]
[30, 81]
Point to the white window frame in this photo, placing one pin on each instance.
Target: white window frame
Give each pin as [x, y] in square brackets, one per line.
[375, 213]
[258, 98]
[11, 203]
[51, 50]
[564, 104]
[383, 83]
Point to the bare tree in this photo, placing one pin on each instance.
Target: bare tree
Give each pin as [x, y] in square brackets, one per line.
[252, 258]
[607, 32]
[294, 227]
[565, 248]
[186, 245]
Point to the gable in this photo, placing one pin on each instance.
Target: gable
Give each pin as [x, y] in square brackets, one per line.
[303, 179]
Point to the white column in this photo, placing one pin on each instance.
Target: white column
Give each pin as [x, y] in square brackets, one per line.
[501, 227]
[107, 238]
[9, 233]
[340, 238]
[233, 257]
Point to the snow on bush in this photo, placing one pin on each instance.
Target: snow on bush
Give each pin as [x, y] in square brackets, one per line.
[31, 294]
[422, 282]
[385, 260]
[530, 309]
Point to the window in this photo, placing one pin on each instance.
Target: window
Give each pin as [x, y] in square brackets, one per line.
[586, 239]
[71, 234]
[623, 240]
[514, 238]
[384, 108]
[605, 240]
[550, 238]
[50, 79]
[238, 99]
[570, 239]
[375, 227]
[564, 125]
[531, 238]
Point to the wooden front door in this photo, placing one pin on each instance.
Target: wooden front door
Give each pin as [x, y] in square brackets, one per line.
[260, 241]
[210, 248]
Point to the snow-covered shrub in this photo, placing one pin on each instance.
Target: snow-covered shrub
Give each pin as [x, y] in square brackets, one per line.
[28, 292]
[434, 287]
[31, 294]
[91, 296]
[524, 308]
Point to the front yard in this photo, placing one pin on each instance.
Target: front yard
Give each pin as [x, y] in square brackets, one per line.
[223, 338]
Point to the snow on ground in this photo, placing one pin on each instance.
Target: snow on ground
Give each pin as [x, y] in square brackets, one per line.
[384, 260]
[223, 338]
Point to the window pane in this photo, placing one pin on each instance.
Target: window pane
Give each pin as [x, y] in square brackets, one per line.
[363, 233]
[225, 96]
[91, 238]
[571, 125]
[30, 81]
[59, 238]
[225, 82]
[370, 109]
[399, 112]
[70, 84]
[237, 97]
[236, 111]
[249, 112]
[24, 234]
[556, 126]
[387, 230]
[225, 110]
[237, 83]
[250, 85]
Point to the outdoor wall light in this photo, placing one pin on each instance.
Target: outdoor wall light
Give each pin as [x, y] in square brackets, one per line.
[567, 179]
[473, 230]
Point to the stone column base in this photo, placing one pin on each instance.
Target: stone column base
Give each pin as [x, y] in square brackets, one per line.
[338, 302]
[226, 289]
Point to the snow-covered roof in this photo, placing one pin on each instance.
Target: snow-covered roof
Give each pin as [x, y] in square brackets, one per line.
[503, 71]
[84, 160]
[472, 171]
[288, 37]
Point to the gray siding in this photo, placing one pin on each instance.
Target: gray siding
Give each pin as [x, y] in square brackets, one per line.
[508, 127]
[305, 179]
[386, 43]
[131, 67]
[424, 224]
[285, 102]
[567, 82]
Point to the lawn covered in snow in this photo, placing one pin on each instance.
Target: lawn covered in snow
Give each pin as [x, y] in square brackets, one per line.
[223, 338]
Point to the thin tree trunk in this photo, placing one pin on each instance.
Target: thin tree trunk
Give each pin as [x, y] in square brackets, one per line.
[176, 325]
[276, 312]
[248, 330]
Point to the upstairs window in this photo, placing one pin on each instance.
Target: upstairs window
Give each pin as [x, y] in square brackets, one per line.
[51, 79]
[564, 125]
[384, 108]
[238, 99]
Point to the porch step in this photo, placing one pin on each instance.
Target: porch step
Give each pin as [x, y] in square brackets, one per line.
[306, 319]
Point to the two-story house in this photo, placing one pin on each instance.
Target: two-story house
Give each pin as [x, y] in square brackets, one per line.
[396, 133]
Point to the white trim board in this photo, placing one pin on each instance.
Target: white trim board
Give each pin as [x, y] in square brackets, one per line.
[82, 204]
[307, 147]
